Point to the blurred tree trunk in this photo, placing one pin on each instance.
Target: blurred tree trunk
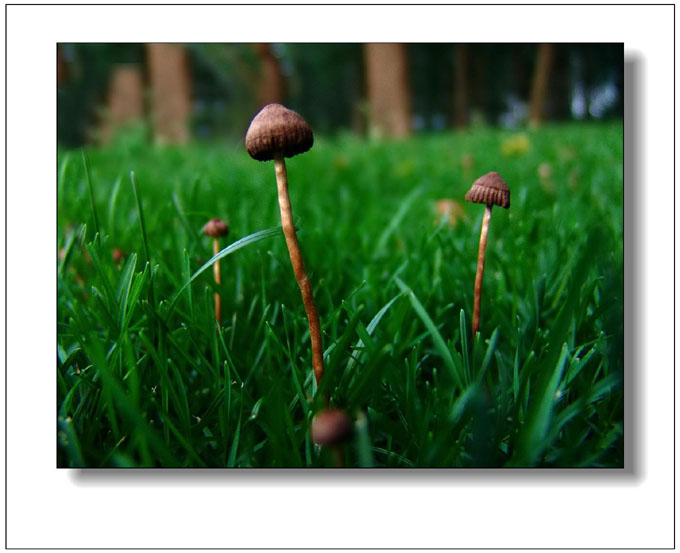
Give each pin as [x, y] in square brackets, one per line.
[170, 92]
[479, 98]
[461, 92]
[389, 102]
[539, 87]
[61, 66]
[561, 83]
[125, 103]
[270, 84]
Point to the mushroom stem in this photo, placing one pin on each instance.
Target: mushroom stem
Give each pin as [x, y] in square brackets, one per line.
[218, 281]
[480, 269]
[298, 266]
[338, 457]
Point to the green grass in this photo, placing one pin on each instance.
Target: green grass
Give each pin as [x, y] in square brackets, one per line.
[145, 378]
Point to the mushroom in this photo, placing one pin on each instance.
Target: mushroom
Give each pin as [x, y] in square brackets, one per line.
[331, 427]
[276, 133]
[448, 210]
[117, 256]
[215, 228]
[489, 189]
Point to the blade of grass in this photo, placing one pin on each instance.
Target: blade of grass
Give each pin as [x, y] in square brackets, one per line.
[121, 399]
[363, 442]
[140, 212]
[489, 354]
[182, 405]
[68, 439]
[187, 272]
[185, 444]
[60, 181]
[439, 342]
[233, 450]
[396, 219]
[532, 441]
[113, 205]
[368, 378]
[294, 368]
[331, 379]
[370, 329]
[190, 232]
[124, 285]
[464, 346]
[600, 390]
[133, 297]
[88, 179]
[72, 239]
[515, 370]
[109, 294]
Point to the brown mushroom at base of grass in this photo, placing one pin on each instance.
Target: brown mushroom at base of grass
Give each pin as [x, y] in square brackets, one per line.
[274, 134]
[215, 228]
[330, 428]
[489, 189]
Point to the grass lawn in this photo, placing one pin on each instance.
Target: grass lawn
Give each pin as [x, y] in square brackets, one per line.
[145, 377]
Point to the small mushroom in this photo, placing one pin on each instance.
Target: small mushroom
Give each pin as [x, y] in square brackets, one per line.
[331, 427]
[215, 228]
[489, 189]
[545, 170]
[448, 210]
[117, 255]
[467, 160]
[276, 133]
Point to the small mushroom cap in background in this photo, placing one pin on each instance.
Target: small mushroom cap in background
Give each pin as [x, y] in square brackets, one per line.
[215, 228]
[489, 189]
[278, 130]
[450, 210]
[117, 255]
[330, 427]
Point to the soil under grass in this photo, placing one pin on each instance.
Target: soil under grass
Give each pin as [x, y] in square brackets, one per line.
[145, 379]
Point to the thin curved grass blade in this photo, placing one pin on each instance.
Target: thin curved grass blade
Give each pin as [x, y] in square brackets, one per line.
[242, 243]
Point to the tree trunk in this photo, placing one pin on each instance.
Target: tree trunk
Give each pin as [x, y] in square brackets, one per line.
[61, 66]
[539, 87]
[125, 100]
[170, 92]
[389, 102]
[270, 85]
[479, 97]
[461, 95]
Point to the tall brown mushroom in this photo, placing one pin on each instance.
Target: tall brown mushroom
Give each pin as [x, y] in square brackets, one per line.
[215, 228]
[277, 133]
[489, 189]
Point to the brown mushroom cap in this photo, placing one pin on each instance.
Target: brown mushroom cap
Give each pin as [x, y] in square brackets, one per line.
[277, 130]
[215, 228]
[330, 427]
[489, 189]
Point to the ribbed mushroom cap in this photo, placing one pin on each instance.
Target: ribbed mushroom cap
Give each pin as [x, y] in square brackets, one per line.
[489, 189]
[277, 130]
[215, 228]
[330, 427]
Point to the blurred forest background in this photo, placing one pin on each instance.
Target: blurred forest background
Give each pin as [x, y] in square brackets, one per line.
[176, 93]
